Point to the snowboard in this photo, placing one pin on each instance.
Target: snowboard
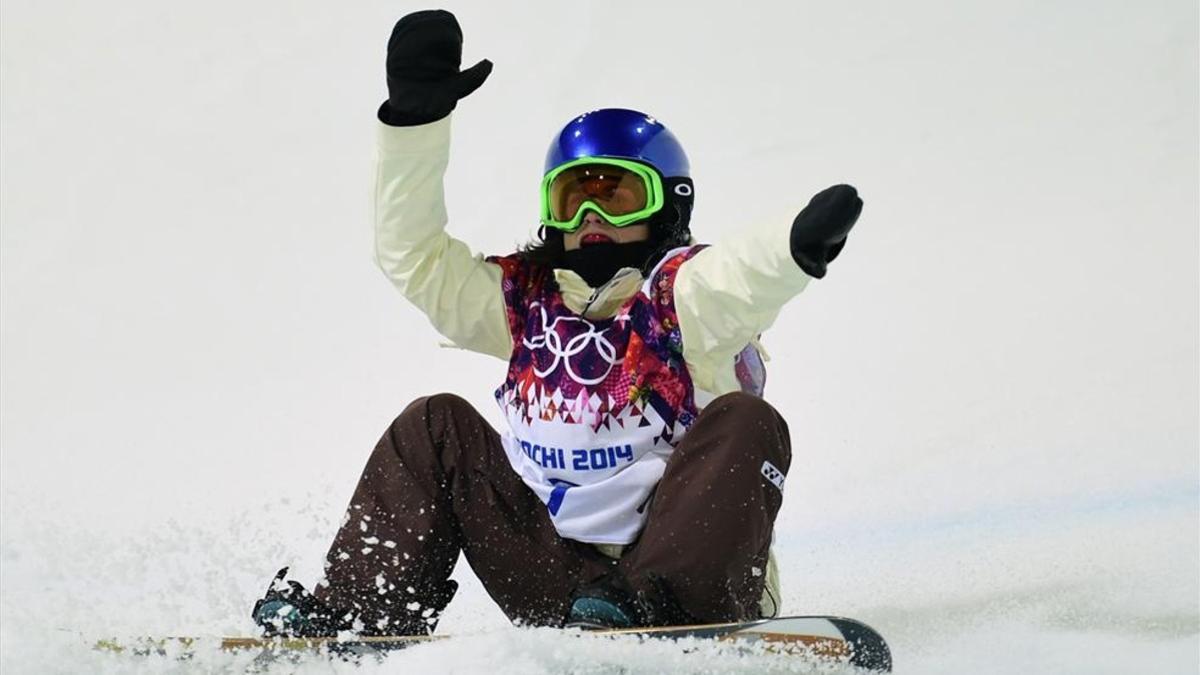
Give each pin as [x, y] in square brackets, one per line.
[834, 638]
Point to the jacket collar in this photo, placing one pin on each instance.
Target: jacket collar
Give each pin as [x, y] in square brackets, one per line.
[602, 302]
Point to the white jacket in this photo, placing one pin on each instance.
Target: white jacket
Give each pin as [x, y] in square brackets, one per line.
[725, 296]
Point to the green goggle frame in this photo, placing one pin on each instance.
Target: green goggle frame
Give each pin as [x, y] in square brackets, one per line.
[650, 178]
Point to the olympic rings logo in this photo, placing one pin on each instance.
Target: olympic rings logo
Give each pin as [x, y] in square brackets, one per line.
[551, 341]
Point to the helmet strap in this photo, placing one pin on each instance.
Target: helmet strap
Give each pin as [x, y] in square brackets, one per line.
[672, 221]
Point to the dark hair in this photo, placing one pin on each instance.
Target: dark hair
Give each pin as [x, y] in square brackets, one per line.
[546, 251]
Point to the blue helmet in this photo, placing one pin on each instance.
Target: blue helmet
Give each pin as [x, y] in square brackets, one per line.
[617, 132]
[632, 135]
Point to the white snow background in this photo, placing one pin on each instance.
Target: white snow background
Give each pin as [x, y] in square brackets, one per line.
[993, 396]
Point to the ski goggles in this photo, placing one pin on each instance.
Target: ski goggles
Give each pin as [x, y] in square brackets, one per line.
[623, 191]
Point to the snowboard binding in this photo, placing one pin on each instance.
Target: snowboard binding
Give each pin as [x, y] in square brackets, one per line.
[610, 603]
[290, 610]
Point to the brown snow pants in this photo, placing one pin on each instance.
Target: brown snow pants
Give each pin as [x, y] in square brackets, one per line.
[439, 482]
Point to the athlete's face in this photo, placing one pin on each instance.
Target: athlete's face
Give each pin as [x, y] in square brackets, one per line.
[596, 230]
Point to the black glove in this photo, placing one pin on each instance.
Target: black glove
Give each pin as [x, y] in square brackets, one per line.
[819, 232]
[424, 83]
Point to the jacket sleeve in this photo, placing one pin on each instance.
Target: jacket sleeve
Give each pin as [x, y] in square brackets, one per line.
[727, 295]
[458, 291]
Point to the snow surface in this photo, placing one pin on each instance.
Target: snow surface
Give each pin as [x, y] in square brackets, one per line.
[993, 397]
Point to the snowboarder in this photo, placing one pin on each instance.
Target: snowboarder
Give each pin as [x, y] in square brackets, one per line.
[640, 475]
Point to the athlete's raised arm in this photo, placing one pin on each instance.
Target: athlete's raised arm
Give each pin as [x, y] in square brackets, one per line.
[730, 293]
[458, 291]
